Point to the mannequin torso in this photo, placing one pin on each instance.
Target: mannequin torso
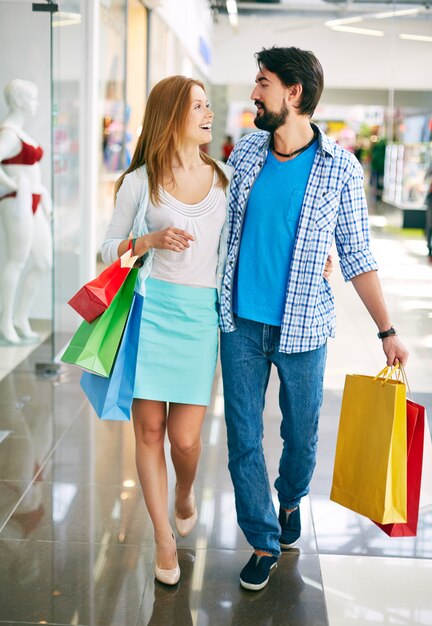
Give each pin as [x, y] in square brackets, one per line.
[13, 141]
[27, 230]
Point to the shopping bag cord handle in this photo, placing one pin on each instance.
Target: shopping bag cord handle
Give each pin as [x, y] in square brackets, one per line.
[405, 379]
[387, 372]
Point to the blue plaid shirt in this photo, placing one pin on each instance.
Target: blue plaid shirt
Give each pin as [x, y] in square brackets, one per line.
[334, 207]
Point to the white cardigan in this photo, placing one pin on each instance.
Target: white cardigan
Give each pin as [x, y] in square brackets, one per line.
[129, 216]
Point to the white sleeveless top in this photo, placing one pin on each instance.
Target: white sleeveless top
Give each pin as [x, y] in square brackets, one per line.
[195, 266]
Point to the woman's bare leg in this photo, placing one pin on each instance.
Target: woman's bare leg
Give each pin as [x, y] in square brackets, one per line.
[184, 432]
[149, 417]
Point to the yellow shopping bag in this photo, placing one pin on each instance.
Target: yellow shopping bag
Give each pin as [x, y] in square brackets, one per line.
[370, 470]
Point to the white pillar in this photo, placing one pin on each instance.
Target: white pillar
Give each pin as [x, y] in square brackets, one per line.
[89, 140]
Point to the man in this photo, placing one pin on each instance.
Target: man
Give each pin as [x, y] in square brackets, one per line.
[293, 191]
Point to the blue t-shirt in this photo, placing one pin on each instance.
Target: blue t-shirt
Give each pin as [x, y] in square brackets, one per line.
[268, 237]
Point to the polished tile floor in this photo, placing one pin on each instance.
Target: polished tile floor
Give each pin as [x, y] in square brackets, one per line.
[75, 539]
[12, 356]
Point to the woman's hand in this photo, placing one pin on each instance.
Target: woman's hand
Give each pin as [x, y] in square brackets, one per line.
[328, 268]
[171, 238]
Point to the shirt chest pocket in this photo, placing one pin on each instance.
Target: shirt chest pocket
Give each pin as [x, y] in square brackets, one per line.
[326, 211]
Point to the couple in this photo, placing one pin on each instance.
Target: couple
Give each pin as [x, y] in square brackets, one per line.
[259, 269]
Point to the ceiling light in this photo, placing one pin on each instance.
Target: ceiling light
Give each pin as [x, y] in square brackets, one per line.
[232, 12]
[66, 19]
[345, 20]
[383, 16]
[231, 6]
[416, 37]
[233, 19]
[359, 31]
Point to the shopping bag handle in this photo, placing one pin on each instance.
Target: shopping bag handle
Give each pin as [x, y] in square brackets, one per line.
[405, 380]
[387, 372]
[128, 259]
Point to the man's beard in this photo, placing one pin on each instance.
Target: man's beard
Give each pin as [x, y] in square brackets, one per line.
[271, 121]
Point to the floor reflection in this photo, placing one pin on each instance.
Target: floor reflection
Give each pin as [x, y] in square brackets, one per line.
[27, 438]
[76, 543]
[294, 597]
[171, 604]
[340, 531]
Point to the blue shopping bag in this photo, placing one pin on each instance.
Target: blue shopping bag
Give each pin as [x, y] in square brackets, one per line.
[112, 397]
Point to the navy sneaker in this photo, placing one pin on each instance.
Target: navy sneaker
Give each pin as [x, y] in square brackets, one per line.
[256, 572]
[291, 527]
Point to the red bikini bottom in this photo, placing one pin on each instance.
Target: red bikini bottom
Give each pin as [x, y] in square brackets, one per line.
[36, 198]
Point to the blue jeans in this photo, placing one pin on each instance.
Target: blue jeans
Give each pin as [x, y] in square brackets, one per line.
[247, 355]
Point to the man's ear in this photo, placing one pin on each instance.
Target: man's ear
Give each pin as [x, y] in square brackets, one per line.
[294, 93]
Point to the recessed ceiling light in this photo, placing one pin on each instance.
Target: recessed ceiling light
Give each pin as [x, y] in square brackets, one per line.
[345, 20]
[231, 6]
[416, 37]
[62, 18]
[233, 19]
[359, 31]
[386, 14]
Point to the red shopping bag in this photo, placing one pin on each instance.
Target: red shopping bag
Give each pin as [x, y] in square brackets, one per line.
[415, 442]
[96, 296]
[426, 482]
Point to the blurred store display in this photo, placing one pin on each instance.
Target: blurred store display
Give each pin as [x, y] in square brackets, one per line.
[405, 184]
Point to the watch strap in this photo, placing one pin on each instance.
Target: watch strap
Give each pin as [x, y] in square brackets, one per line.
[387, 333]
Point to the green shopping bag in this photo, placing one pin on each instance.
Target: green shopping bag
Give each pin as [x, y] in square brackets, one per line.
[94, 346]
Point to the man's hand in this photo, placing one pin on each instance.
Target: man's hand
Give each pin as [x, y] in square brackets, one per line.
[394, 350]
[328, 268]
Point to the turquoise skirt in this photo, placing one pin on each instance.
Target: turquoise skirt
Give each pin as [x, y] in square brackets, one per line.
[178, 343]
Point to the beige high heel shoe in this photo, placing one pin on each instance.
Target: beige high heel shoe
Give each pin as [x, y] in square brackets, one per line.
[184, 526]
[167, 576]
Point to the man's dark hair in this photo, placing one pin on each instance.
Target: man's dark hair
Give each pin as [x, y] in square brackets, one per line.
[295, 66]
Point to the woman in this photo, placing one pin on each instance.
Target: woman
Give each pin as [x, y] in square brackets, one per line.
[173, 200]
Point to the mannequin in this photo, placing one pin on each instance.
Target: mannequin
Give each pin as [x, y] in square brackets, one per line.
[25, 213]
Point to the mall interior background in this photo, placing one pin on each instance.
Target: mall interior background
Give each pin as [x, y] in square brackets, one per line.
[95, 61]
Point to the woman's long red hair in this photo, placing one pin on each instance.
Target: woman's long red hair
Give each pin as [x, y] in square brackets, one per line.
[162, 134]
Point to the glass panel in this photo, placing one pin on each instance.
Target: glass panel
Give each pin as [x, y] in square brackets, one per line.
[112, 94]
[136, 73]
[68, 90]
[25, 224]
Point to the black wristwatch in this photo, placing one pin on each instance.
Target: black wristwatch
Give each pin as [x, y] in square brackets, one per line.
[387, 333]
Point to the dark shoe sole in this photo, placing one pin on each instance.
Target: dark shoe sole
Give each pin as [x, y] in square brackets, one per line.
[253, 587]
